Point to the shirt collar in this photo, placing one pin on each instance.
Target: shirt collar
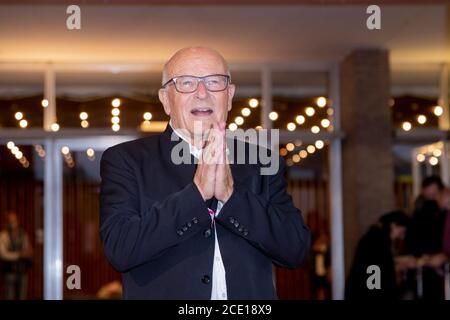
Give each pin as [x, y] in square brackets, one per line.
[196, 152]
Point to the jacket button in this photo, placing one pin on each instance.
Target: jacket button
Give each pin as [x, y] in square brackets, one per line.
[195, 221]
[241, 229]
[236, 224]
[180, 233]
[206, 279]
[184, 228]
[245, 232]
[207, 233]
[232, 220]
[189, 224]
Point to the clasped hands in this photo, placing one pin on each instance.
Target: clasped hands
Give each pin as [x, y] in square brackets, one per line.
[213, 176]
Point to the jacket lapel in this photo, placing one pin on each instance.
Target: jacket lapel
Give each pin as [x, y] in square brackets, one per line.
[184, 172]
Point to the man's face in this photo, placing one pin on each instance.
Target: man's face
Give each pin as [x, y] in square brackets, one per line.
[185, 109]
[431, 192]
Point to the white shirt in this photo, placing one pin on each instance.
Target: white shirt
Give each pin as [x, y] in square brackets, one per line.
[219, 284]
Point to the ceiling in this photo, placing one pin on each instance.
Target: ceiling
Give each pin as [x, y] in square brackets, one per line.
[416, 36]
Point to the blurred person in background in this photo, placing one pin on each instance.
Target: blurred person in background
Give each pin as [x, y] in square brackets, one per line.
[16, 258]
[432, 186]
[382, 246]
[426, 239]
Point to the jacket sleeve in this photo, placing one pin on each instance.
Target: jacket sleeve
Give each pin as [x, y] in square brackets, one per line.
[132, 236]
[269, 220]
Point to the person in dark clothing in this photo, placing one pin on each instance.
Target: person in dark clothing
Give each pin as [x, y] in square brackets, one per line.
[432, 187]
[379, 246]
[15, 258]
[425, 241]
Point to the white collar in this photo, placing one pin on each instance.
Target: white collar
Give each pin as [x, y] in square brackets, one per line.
[196, 152]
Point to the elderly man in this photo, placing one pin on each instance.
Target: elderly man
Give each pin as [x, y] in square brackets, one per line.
[206, 229]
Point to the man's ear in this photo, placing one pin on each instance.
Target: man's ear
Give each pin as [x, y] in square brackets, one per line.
[163, 97]
[231, 89]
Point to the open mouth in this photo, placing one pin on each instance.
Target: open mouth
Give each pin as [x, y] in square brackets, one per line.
[201, 112]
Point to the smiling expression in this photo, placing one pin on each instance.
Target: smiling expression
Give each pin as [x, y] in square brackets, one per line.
[201, 106]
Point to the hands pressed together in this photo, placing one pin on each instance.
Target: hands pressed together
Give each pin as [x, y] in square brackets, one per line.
[213, 176]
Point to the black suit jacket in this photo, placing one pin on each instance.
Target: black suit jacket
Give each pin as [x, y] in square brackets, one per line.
[156, 230]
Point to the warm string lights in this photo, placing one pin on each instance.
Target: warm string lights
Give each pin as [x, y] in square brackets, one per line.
[145, 124]
[68, 159]
[299, 120]
[115, 113]
[301, 154]
[90, 154]
[245, 112]
[23, 123]
[431, 154]
[84, 122]
[18, 154]
[421, 120]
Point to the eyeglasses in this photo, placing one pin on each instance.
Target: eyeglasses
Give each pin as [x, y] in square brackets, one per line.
[188, 84]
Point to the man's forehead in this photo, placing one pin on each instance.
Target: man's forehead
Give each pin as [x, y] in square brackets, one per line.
[196, 62]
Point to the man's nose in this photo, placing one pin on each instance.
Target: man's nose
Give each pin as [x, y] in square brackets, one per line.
[201, 92]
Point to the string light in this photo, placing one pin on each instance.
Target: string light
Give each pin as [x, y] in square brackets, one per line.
[239, 120]
[433, 161]
[232, 126]
[253, 103]
[421, 119]
[83, 116]
[18, 115]
[91, 154]
[321, 102]
[310, 111]
[15, 151]
[23, 123]
[437, 152]
[406, 126]
[246, 112]
[311, 149]
[291, 126]
[147, 116]
[420, 157]
[116, 103]
[290, 146]
[325, 123]
[115, 120]
[54, 127]
[319, 144]
[300, 119]
[315, 129]
[65, 150]
[438, 111]
[273, 115]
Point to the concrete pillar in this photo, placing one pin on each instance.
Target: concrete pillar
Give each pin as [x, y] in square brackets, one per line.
[367, 161]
